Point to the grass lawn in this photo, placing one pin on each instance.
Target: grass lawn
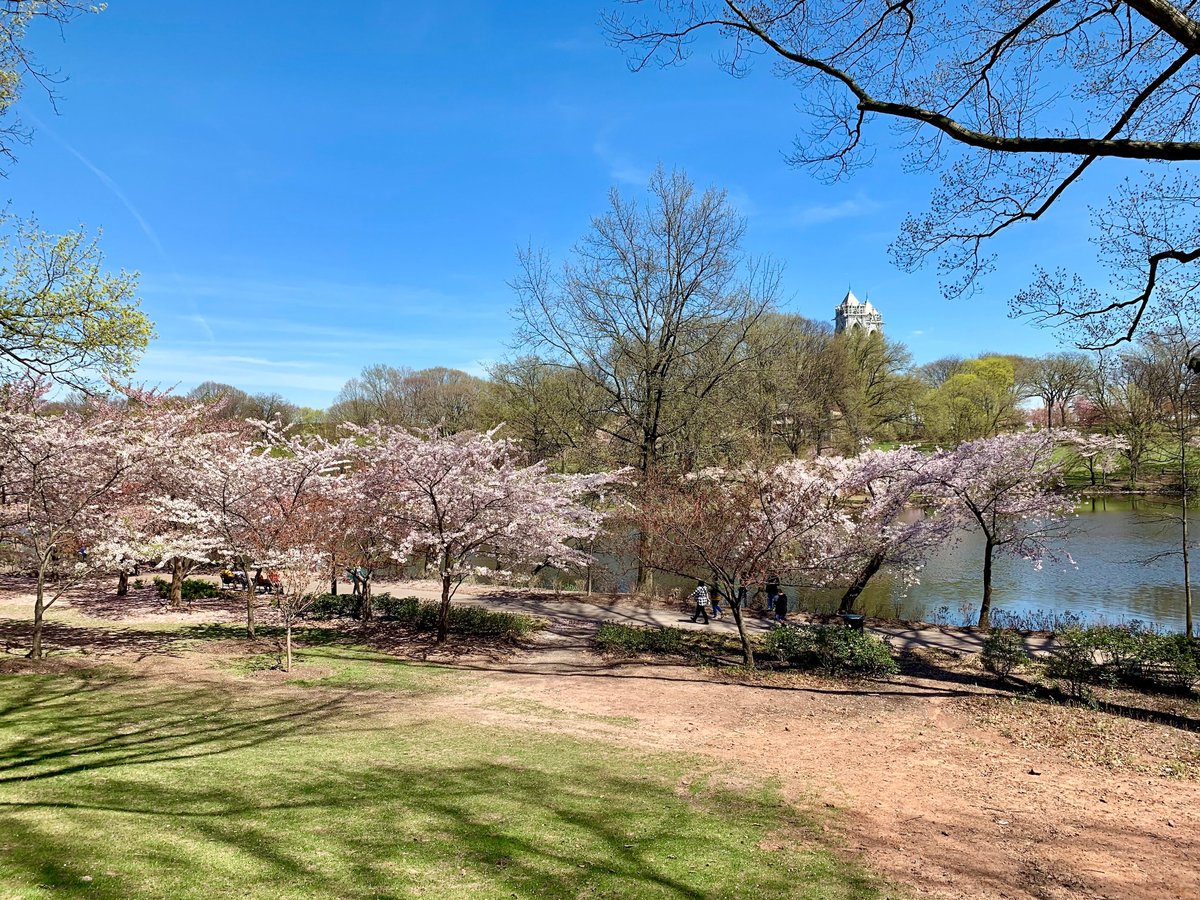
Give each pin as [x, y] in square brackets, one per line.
[345, 781]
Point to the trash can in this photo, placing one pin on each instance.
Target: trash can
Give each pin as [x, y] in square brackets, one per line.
[853, 620]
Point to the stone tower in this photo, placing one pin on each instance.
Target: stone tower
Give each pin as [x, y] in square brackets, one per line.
[852, 313]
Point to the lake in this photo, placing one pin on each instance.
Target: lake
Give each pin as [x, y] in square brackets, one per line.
[1116, 577]
[1127, 566]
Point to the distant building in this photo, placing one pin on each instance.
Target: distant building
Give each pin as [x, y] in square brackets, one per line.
[851, 313]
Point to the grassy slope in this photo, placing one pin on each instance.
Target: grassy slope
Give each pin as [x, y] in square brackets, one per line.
[118, 787]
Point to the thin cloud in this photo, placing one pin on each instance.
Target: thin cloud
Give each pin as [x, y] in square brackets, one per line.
[820, 213]
[116, 190]
[620, 167]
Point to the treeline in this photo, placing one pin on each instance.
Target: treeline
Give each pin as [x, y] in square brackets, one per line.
[660, 344]
[798, 390]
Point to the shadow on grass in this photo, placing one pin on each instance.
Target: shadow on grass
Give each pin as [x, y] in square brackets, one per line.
[189, 794]
[53, 726]
[57, 638]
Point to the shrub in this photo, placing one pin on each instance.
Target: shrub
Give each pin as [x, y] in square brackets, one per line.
[614, 638]
[332, 606]
[1073, 661]
[392, 609]
[1171, 659]
[474, 621]
[191, 589]
[1122, 651]
[1003, 652]
[832, 650]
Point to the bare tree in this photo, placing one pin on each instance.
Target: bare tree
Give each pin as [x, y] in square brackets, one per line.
[446, 400]
[1012, 104]
[653, 311]
[1057, 379]
[938, 372]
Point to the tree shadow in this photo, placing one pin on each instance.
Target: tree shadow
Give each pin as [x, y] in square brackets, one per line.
[51, 726]
[59, 637]
[196, 796]
[923, 667]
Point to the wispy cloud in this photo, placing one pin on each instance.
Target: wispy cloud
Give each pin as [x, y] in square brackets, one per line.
[306, 339]
[821, 213]
[621, 167]
[117, 191]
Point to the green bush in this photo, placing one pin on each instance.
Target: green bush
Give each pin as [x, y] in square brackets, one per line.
[191, 589]
[332, 606]
[1121, 650]
[1131, 654]
[1003, 652]
[1073, 661]
[406, 609]
[474, 621]
[422, 615]
[831, 649]
[614, 638]
[1171, 659]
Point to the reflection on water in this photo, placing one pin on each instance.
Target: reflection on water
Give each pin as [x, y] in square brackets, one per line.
[1127, 566]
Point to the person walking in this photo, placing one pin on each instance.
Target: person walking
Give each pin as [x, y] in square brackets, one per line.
[700, 598]
[781, 606]
[772, 588]
[714, 594]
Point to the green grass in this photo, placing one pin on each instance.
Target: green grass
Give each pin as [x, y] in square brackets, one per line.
[114, 787]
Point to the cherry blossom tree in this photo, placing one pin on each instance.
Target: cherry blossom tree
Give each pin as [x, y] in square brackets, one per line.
[299, 480]
[1007, 487]
[889, 530]
[263, 498]
[354, 539]
[1098, 452]
[301, 569]
[460, 497]
[736, 526]
[64, 479]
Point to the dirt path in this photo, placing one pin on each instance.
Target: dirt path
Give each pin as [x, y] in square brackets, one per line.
[931, 796]
[573, 610]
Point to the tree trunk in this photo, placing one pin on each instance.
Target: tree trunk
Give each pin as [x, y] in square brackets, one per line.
[39, 611]
[122, 583]
[443, 629]
[747, 648]
[175, 597]
[287, 664]
[366, 611]
[645, 573]
[985, 611]
[333, 585]
[852, 592]
[1187, 561]
[249, 603]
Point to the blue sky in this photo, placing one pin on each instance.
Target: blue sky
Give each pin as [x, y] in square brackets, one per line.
[308, 188]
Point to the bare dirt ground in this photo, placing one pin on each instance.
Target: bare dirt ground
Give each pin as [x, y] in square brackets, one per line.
[941, 782]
